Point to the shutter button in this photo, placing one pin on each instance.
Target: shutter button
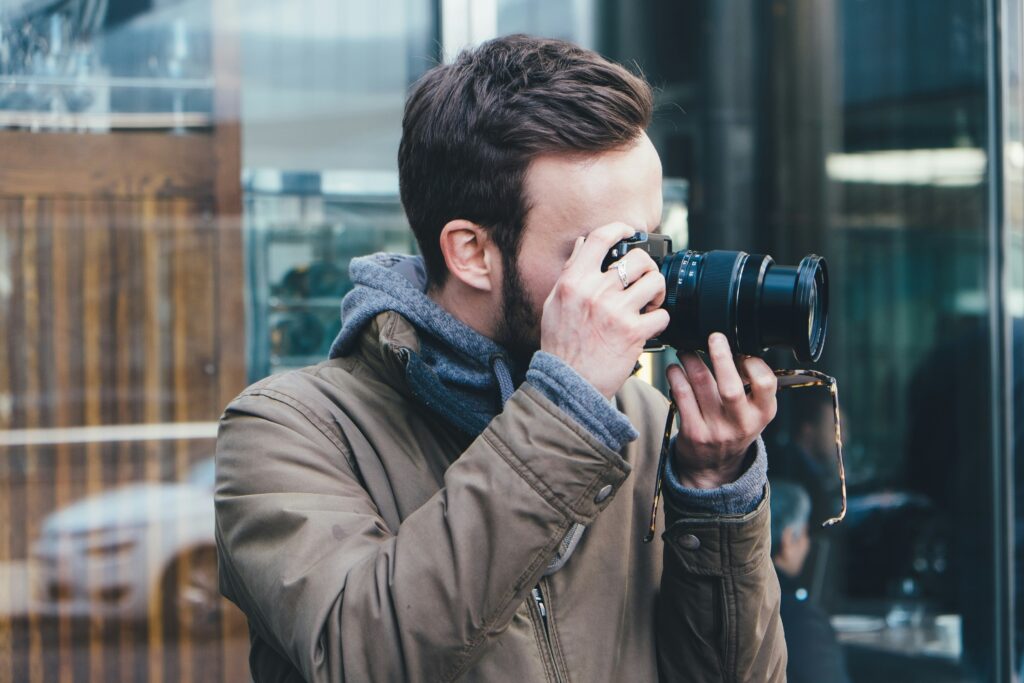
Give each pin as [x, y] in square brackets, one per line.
[603, 494]
[689, 542]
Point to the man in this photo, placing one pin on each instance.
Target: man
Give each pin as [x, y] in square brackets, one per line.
[462, 491]
[814, 653]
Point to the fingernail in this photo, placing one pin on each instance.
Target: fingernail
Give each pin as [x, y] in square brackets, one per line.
[717, 338]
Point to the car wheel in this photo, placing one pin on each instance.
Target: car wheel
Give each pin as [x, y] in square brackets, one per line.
[190, 595]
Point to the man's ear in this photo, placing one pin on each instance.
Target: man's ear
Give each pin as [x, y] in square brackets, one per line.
[469, 254]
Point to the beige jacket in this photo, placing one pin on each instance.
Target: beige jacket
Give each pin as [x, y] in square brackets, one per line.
[365, 541]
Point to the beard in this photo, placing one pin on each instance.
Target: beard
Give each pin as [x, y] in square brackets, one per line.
[519, 328]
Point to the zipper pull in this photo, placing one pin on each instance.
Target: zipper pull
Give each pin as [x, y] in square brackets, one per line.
[539, 599]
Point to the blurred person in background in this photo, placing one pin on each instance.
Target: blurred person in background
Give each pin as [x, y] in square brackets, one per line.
[809, 456]
[814, 653]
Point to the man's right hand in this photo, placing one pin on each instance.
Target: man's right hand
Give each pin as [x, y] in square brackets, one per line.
[594, 324]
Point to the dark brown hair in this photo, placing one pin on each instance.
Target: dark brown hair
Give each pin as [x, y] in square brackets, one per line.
[472, 127]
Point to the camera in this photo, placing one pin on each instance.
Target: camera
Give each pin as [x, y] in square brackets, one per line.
[755, 302]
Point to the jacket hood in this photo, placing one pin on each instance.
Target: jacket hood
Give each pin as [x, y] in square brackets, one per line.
[396, 282]
[456, 371]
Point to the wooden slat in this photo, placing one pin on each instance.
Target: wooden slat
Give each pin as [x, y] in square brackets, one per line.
[33, 361]
[15, 457]
[9, 211]
[94, 328]
[153, 340]
[112, 165]
[64, 299]
[130, 353]
[229, 271]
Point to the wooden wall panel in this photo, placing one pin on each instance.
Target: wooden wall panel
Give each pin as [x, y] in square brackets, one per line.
[141, 164]
[121, 305]
[110, 316]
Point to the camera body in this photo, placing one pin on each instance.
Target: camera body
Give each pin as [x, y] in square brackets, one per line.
[756, 303]
[657, 246]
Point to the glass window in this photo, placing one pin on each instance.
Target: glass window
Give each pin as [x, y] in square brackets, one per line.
[181, 187]
[183, 184]
[1012, 85]
[862, 130]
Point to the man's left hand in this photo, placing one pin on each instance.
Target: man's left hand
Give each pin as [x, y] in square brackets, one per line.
[718, 419]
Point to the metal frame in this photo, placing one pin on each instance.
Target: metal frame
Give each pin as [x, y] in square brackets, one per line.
[1005, 31]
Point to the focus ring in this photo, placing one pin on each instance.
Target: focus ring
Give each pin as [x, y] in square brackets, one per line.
[716, 310]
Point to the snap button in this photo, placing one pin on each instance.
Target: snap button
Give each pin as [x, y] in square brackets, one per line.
[689, 542]
[603, 494]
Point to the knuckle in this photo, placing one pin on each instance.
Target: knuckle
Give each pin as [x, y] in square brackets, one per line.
[640, 259]
[589, 301]
[700, 439]
[565, 290]
[681, 389]
[701, 377]
[731, 393]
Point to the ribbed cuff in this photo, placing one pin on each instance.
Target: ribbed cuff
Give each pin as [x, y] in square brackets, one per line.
[738, 498]
[578, 398]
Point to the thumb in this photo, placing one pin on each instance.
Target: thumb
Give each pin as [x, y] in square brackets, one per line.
[575, 250]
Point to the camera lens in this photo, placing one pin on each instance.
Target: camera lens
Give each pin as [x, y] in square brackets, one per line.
[755, 302]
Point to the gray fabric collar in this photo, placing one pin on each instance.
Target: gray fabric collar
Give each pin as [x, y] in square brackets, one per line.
[460, 374]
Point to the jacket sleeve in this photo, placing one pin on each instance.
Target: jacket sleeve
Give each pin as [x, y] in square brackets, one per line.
[718, 612]
[340, 595]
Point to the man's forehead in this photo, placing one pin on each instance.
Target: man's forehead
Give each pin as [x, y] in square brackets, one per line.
[587, 191]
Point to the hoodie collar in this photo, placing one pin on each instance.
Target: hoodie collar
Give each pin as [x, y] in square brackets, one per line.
[396, 282]
[460, 374]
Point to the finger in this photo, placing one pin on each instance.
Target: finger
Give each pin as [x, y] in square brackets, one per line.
[763, 383]
[635, 265]
[648, 289]
[685, 400]
[730, 386]
[575, 251]
[702, 381]
[653, 323]
[740, 368]
[597, 244]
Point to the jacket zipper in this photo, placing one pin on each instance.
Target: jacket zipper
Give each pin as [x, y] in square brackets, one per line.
[538, 598]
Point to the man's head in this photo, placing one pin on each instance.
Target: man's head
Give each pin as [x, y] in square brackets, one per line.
[507, 155]
[790, 508]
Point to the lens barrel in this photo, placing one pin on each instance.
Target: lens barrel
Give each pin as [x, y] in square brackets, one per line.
[755, 302]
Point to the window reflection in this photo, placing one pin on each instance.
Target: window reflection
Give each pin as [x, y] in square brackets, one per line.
[130, 239]
[302, 230]
[859, 129]
[141, 286]
[97, 65]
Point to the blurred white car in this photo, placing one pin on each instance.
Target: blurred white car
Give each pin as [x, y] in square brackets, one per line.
[128, 553]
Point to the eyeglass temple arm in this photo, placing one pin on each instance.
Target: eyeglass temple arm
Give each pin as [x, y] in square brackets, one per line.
[814, 379]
